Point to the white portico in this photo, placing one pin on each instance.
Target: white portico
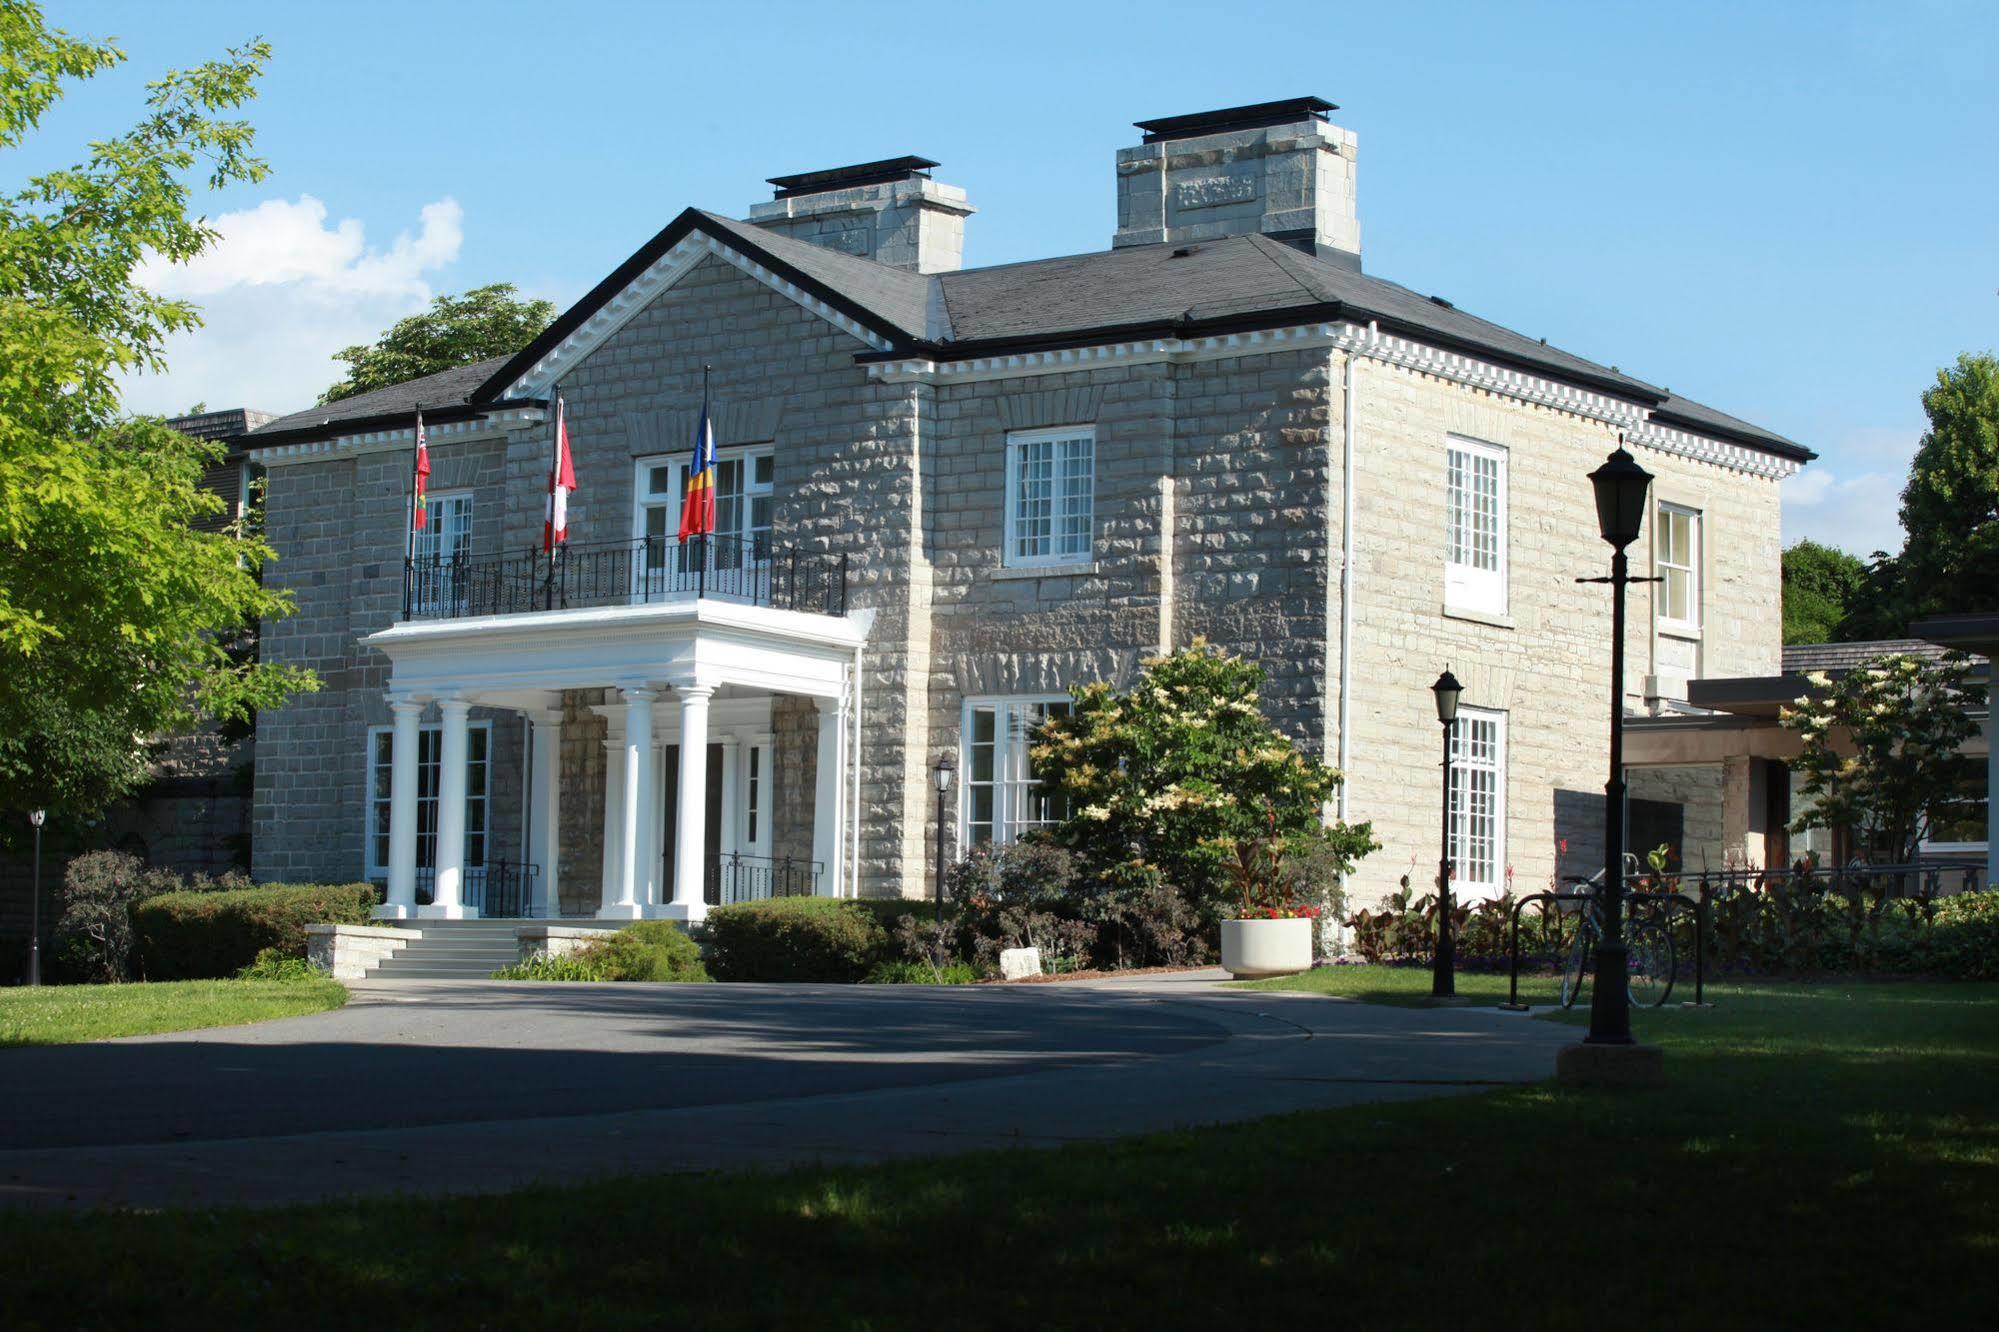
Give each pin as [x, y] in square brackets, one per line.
[688, 790]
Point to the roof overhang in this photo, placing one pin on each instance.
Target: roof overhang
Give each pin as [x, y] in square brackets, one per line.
[1967, 633]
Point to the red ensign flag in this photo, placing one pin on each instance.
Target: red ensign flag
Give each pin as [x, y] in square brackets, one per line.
[420, 517]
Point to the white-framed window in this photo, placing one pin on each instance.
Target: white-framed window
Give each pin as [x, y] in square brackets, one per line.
[1478, 802]
[447, 528]
[1678, 552]
[1475, 526]
[743, 497]
[1001, 796]
[429, 746]
[1051, 478]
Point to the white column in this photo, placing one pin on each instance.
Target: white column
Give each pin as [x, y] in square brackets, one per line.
[828, 793]
[690, 820]
[401, 903]
[732, 779]
[654, 878]
[447, 891]
[634, 760]
[614, 820]
[545, 808]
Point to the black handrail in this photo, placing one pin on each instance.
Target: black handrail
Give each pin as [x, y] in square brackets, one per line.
[736, 878]
[746, 570]
[499, 888]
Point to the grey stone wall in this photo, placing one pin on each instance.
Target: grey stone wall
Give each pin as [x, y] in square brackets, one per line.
[794, 726]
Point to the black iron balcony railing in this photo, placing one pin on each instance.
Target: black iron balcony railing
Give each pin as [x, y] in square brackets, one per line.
[500, 888]
[747, 570]
[737, 878]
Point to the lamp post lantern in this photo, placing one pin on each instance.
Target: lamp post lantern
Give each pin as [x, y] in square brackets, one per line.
[35, 817]
[1443, 970]
[941, 774]
[1621, 487]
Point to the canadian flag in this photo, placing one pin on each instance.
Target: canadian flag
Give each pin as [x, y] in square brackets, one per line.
[561, 480]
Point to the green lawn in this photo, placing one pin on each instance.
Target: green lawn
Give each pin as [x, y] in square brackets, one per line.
[1825, 1156]
[59, 1014]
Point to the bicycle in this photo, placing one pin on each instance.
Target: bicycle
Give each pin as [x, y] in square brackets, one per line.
[1650, 960]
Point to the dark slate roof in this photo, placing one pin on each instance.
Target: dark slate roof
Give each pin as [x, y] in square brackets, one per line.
[1837, 657]
[899, 298]
[444, 396]
[1231, 285]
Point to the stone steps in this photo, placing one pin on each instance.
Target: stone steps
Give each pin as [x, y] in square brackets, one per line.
[453, 950]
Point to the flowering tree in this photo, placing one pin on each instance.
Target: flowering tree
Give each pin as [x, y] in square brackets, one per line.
[1171, 778]
[1881, 747]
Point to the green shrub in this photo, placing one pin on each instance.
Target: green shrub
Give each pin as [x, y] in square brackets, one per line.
[647, 950]
[273, 965]
[1964, 940]
[202, 936]
[920, 973]
[92, 940]
[795, 939]
[543, 967]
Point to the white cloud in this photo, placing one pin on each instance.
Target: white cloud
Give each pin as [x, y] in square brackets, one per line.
[280, 292]
[1851, 497]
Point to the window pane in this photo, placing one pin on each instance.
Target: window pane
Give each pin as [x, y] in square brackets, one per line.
[765, 468]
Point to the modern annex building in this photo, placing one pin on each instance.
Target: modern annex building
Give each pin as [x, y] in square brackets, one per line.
[944, 497]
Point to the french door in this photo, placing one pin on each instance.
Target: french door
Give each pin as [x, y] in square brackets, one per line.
[739, 554]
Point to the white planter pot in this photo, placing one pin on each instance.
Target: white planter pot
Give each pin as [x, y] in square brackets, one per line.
[1252, 948]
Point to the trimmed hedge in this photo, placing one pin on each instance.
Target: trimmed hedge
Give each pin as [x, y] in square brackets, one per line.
[1965, 938]
[795, 939]
[208, 936]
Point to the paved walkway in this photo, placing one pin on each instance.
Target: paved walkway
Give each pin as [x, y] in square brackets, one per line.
[443, 1087]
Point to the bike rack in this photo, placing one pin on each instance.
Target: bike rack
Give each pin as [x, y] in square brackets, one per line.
[1666, 900]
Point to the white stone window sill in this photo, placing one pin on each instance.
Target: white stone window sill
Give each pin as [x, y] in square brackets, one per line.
[1078, 569]
[1690, 632]
[1477, 616]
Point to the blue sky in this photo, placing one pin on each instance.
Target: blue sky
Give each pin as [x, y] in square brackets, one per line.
[1786, 211]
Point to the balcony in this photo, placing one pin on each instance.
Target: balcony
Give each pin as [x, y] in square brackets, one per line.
[648, 570]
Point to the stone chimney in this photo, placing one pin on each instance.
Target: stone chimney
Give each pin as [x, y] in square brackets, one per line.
[1278, 168]
[891, 212]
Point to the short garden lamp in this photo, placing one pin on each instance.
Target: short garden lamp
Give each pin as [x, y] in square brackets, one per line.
[941, 774]
[1443, 969]
[36, 817]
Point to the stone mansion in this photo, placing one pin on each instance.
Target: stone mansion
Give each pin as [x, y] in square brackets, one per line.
[946, 495]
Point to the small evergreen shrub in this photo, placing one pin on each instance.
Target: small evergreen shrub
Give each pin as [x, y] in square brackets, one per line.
[543, 967]
[795, 939]
[273, 965]
[210, 935]
[647, 950]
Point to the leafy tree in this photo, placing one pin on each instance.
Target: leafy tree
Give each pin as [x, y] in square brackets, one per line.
[1950, 507]
[1165, 780]
[457, 330]
[1880, 749]
[1820, 582]
[116, 615]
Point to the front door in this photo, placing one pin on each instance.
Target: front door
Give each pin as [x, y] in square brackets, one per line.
[711, 837]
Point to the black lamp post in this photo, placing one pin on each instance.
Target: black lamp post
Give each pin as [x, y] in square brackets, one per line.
[1443, 971]
[1621, 489]
[946, 768]
[36, 816]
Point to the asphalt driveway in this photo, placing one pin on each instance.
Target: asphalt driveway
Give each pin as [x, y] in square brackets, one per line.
[437, 1087]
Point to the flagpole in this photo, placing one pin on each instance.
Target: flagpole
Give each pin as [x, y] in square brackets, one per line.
[554, 479]
[409, 517]
[708, 498]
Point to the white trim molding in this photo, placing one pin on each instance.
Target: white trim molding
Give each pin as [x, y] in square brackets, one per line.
[658, 276]
[1364, 340]
[493, 424]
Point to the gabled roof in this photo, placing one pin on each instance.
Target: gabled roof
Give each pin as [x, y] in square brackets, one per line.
[444, 396]
[1148, 291]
